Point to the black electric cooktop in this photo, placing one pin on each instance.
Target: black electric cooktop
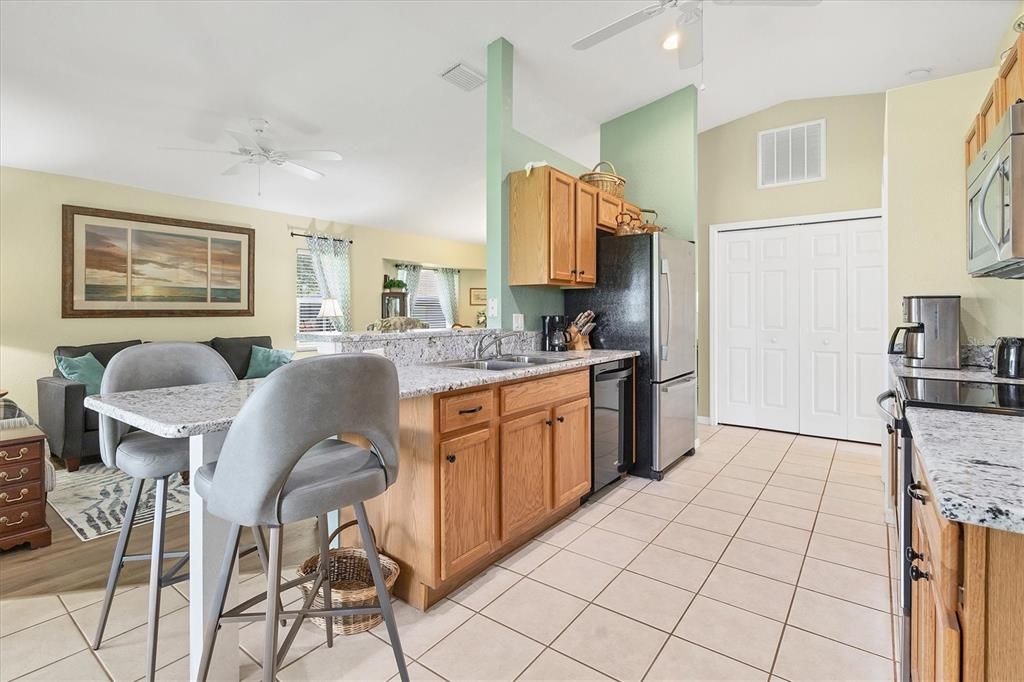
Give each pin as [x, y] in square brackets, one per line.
[970, 396]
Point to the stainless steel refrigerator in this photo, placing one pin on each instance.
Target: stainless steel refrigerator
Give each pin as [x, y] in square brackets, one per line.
[646, 300]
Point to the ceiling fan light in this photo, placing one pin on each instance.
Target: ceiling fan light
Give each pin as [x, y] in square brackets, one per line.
[671, 41]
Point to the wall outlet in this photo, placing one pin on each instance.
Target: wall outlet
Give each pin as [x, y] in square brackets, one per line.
[492, 307]
[518, 324]
[375, 351]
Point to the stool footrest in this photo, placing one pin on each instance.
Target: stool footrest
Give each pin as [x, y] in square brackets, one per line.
[232, 617]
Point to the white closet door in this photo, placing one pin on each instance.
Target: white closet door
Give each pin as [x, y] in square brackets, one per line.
[824, 394]
[778, 328]
[866, 322]
[737, 328]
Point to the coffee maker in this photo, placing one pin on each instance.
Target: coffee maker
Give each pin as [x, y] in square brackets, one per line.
[932, 332]
[553, 334]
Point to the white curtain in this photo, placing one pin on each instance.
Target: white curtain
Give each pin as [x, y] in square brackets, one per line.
[410, 274]
[448, 286]
[333, 267]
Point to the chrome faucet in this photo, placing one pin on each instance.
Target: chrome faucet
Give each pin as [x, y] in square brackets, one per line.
[490, 339]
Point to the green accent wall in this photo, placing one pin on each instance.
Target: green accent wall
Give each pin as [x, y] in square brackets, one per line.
[655, 149]
[509, 150]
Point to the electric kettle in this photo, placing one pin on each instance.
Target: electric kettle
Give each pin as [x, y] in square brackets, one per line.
[1008, 357]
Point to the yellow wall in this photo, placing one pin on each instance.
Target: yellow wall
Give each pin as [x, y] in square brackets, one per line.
[727, 179]
[1010, 37]
[476, 279]
[30, 265]
[925, 128]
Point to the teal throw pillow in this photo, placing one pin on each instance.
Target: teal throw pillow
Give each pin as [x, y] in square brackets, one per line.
[85, 369]
[263, 361]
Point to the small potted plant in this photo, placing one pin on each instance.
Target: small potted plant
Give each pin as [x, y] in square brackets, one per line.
[394, 285]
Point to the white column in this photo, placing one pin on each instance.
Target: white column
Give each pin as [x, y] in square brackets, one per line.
[207, 536]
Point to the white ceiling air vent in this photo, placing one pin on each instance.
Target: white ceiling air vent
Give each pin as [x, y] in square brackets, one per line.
[463, 77]
[791, 155]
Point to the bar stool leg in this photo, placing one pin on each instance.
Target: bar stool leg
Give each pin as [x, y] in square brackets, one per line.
[156, 569]
[325, 569]
[118, 562]
[273, 588]
[261, 550]
[219, 596]
[382, 591]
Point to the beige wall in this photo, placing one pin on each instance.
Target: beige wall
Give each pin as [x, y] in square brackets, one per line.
[727, 179]
[30, 251]
[475, 279]
[925, 128]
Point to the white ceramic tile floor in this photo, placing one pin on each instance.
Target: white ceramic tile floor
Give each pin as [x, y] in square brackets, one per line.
[762, 557]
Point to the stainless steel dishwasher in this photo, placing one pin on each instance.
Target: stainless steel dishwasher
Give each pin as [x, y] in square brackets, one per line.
[611, 397]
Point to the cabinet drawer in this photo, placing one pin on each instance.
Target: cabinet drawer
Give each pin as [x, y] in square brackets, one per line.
[22, 517]
[467, 409]
[22, 452]
[538, 392]
[942, 539]
[21, 472]
[20, 492]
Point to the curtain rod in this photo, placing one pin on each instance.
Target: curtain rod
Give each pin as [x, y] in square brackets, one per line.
[320, 236]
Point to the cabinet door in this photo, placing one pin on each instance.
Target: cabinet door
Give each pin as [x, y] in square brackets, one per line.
[1011, 78]
[571, 451]
[935, 630]
[586, 233]
[525, 471]
[468, 481]
[608, 209]
[562, 226]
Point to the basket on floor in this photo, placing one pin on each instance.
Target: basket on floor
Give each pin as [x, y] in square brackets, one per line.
[351, 585]
[606, 182]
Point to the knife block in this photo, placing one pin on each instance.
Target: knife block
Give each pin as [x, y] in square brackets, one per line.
[577, 341]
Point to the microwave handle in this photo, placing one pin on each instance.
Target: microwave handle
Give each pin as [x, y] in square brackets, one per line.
[987, 185]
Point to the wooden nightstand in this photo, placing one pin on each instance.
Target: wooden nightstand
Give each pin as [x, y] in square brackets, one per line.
[23, 488]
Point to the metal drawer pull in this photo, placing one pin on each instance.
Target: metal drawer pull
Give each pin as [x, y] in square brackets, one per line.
[4, 521]
[917, 574]
[4, 497]
[548, 422]
[914, 490]
[450, 458]
[561, 419]
[913, 555]
[471, 410]
[7, 457]
[4, 476]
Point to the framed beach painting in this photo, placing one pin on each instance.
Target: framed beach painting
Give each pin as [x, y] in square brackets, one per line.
[118, 264]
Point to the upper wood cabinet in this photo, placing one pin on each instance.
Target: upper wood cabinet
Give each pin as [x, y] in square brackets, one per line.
[562, 226]
[608, 209]
[570, 452]
[467, 505]
[1007, 88]
[586, 233]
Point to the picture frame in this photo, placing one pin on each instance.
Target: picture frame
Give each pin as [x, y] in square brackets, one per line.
[121, 264]
[477, 296]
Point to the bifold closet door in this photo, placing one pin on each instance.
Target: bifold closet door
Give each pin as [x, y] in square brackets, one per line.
[866, 320]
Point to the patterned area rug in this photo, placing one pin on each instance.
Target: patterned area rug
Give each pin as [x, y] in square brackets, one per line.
[92, 500]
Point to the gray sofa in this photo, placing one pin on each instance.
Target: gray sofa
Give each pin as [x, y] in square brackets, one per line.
[72, 430]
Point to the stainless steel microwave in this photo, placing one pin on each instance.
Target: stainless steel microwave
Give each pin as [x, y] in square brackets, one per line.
[995, 202]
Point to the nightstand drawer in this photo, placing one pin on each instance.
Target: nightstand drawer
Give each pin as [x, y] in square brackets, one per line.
[22, 452]
[19, 493]
[21, 472]
[22, 517]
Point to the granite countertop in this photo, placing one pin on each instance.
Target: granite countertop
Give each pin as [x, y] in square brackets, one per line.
[974, 460]
[184, 411]
[332, 337]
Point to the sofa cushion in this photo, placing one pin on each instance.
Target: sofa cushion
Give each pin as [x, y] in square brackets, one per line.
[265, 360]
[101, 351]
[85, 369]
[237, 350]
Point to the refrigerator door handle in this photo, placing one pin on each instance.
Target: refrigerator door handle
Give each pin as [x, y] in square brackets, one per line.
[679, 383]
[666, 273]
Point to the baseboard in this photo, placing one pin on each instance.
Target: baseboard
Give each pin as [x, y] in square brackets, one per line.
[704, 420]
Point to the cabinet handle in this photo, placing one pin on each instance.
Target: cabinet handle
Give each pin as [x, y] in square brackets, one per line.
[913, 555]
[561, 419]
[5, 522]
[548, 422]
[573, 271]
[471, 410]
[4, 476]
[4, 497]
[914, 490]
[917, 574]
[450, 458]
[583, 272]
[7, 457]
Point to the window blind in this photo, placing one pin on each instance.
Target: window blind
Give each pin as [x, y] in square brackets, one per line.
[427, 306]
[307, 296]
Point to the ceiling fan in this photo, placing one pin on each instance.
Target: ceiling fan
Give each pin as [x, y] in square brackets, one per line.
[688, 38]
[255, 149]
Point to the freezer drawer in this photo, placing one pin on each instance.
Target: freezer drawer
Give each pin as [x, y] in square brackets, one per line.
[674, 419]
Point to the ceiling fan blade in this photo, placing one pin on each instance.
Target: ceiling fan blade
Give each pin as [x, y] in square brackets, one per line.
[313, 155]
[295, 168]
[244, 140]
[621, 25]
[206, 151]
[236, 168]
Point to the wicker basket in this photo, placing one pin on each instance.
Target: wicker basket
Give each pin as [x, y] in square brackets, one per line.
[351, 585]
[606, 182]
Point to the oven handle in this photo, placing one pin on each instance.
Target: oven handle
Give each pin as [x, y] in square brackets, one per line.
[889, 417]
[987, 185]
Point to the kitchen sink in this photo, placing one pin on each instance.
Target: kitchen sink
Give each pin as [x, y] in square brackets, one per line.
[502, 363]
[529, 359]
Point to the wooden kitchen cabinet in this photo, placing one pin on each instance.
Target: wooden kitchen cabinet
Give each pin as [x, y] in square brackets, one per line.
[570, 452]
[934, 626]
[525, 472]
[608, 209]
[586, 233]
[467, 503]
[1010, 83]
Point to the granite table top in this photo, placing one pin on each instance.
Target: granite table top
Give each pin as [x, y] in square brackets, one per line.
[183, 411]
[974, 460]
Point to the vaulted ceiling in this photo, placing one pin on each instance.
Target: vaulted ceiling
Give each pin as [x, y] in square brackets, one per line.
[96, 89]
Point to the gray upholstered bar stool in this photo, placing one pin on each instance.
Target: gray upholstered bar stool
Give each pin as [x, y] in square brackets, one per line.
[144, 456]
[282, 462]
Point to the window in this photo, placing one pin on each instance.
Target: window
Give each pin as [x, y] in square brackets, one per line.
[307, 296]
[791, 155]
[427, 306]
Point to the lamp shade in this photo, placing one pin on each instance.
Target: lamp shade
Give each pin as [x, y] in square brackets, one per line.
[329, 308]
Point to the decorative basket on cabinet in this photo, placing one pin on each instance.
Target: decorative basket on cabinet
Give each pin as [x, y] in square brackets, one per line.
[605, 181]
